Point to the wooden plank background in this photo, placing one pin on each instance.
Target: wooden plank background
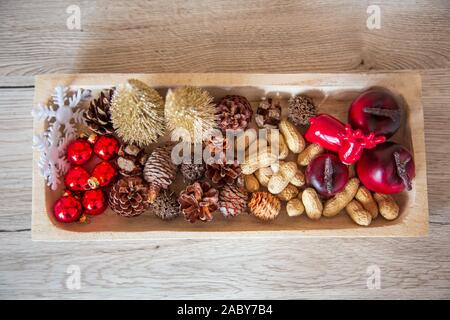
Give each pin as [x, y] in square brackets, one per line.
[209, 36]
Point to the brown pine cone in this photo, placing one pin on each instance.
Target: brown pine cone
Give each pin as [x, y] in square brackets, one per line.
[159, 171]
[301, 109]
[268, 114]
[131, 160]
[232, 200]
[198, 201]
[264, 205]
[166, 206]
[128, 197]
[218, 146]
[234, 112]
[223, 173]
[192, 172]
[98, 115]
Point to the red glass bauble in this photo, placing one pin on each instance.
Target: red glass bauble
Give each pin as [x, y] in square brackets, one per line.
[94, 202]
[79, 151]
[102, 175]
[106, 147]
[76, 179]
[67, 209]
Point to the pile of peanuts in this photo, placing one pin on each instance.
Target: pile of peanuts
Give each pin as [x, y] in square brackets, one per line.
[286, 180]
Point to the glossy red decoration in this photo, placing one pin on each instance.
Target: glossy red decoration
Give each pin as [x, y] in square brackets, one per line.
[94, 202]
[76, 179]
[327, 174]
[67, 209]
[106, 147]
[376, 111]
[333, 135]
[79, 151]
[388, 168]
[102, 175]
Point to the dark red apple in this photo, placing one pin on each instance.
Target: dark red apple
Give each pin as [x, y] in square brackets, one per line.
[376, 111]
[327, 174]
[388, 168]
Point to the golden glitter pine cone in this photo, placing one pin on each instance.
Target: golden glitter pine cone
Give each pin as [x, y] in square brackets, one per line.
[264, 205]
[128, 196]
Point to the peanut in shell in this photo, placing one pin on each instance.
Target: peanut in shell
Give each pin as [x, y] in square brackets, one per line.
[337, 203]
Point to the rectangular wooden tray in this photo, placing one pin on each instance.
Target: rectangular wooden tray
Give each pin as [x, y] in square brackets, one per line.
[332, 92]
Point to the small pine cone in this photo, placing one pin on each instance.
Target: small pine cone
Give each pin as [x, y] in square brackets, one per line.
[268, 114]
[232, 200]
[192, 172]
[159, 171]
[234, 112]
[128, 197]
[98, 115]
[223, 173]
[301, 109]
[198, 201]
[264, 205]
[131, 160]
[166, 206]
[218, 146]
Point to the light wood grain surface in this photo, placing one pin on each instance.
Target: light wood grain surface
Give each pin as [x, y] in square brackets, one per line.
[201, 36]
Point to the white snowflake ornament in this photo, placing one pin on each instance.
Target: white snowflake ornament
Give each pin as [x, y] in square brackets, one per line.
[63, 117]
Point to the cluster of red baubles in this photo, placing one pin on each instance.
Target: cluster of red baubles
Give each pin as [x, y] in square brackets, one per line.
[382, 166]
[84, 193]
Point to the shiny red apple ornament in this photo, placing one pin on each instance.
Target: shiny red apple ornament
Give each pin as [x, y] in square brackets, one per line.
[377, 111]
[79, 151]
[388, 168]
[94, 202]
[67, 209]
[327, 174]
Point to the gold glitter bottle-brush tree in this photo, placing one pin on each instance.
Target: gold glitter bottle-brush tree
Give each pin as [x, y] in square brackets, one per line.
[191, 109]
[137, 113]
